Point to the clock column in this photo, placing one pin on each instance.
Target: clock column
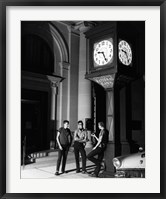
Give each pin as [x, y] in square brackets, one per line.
[107, 82]
[110, 151]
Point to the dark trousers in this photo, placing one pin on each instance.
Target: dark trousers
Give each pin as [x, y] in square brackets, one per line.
[79, 148]
[62, 153]
[100, 152]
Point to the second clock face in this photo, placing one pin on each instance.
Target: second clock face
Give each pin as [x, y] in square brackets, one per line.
[125, 53]
[103, 52]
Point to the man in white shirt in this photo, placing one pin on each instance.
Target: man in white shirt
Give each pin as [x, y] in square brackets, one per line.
[80, 139]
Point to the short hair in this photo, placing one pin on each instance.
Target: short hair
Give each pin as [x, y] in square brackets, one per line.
[80, 121]
[65, 121]
[101, 124]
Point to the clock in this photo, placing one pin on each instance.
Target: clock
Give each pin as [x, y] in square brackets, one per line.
[103, 52]
[125, 53]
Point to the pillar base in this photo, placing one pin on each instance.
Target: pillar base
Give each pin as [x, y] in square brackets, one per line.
[106, 174]
[125, 148]
[108, 157]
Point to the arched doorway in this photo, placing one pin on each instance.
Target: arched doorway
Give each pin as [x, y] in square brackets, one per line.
[36, 55]
[43, 51]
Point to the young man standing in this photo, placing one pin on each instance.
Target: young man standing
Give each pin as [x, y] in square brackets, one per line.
[64, 140]
[99, 149]
[80, 138]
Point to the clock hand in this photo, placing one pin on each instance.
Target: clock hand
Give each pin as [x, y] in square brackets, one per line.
[103, 55]
[125, 54]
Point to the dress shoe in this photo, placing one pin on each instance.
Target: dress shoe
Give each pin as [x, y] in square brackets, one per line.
[84, 172]
[57, 173]
[93, 175]
[64, 172]
[77, 171]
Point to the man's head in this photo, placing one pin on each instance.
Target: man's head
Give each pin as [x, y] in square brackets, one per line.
[66, 124]
[80, 124]
[101, 125]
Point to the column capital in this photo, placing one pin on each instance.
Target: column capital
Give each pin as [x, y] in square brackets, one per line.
[64, 65]
[54, 80]
[53, 84]
[83, 26]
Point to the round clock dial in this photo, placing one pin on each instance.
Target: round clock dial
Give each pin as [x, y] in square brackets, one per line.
[103, 52]
[125, 53]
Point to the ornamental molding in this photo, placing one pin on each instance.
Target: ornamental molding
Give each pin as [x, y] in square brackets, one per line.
[54, 80]
[84, 26]
[106, 81]
[64, 65]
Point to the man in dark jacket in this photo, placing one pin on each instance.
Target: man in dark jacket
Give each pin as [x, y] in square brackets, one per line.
[64, 140]
[99, 149]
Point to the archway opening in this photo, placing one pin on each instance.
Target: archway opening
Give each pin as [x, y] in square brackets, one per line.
[36, 55]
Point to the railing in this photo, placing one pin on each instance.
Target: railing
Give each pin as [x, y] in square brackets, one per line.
[24, 151]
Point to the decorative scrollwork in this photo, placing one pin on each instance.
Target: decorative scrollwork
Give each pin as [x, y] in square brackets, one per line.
[106, 81]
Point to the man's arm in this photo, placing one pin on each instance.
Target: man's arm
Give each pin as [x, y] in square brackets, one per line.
[85, 138]
[93, 135]
[98, 142]
[57, 138]
[76, 138]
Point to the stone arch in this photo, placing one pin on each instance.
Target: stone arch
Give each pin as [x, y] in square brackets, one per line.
[48, 32]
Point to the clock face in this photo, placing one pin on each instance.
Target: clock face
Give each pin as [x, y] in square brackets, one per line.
[125, 53]
[103, 52]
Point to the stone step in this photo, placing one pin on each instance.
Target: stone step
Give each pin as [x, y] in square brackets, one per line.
[45, 159]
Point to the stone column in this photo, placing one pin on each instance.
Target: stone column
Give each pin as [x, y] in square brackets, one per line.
[54, 92]
[63, 108]
[54, 82]
[84, 86]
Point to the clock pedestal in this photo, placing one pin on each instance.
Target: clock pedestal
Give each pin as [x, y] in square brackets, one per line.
[107, 82]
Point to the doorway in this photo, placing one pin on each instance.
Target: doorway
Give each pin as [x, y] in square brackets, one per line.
[34, 120]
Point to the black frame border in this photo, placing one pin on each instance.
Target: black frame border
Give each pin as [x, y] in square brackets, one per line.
[3, 5]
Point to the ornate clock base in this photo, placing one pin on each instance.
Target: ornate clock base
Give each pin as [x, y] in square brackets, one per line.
[107, 174]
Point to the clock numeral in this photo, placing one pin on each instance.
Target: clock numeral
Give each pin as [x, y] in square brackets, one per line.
[103, 42]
